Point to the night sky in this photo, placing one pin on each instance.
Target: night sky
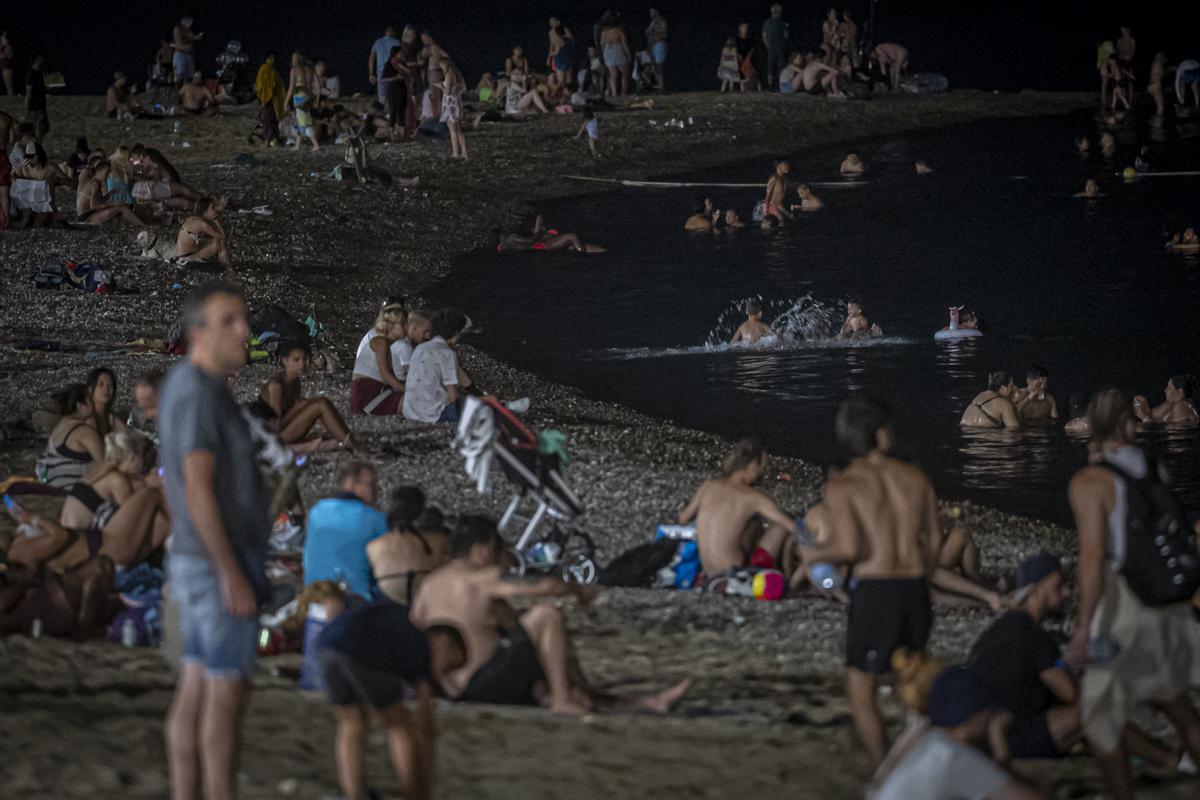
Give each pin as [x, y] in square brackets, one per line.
[989, 44]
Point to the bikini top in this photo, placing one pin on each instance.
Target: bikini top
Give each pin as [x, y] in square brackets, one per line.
[995, 422]
[411, 586]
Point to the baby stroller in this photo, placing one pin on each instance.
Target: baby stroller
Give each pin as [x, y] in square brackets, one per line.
[543, 506]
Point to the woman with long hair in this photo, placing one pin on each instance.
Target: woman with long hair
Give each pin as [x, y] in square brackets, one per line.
[374, 387]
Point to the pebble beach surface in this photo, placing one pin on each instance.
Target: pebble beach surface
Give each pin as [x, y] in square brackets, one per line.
[767, 714]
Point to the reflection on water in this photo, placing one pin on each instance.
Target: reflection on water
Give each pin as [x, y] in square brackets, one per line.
[1081, 288]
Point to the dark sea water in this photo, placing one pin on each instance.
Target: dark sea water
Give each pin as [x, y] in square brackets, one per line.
[1082, 287]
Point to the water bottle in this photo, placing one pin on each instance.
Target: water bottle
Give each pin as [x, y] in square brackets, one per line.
[129, 634]
[35, 629]
[537, 554]
[551, 552]
[825, 576]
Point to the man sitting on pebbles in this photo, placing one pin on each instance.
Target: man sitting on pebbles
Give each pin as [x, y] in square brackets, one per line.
[737, 525]
[481, 651]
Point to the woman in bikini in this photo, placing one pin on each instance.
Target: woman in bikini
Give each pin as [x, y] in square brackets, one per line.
[73, 445]
[993, 408]
[116, 510]
[296, 414]
[404, 555]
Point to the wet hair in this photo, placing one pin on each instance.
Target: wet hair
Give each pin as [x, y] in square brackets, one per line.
[1108, 412]
[1186, 383]
[351, 470]
[1035, 373]
[68, 398]
[753, 307]
[998, 380]
[151, 377]
[859, 420]
[404, 507]
[745, 452]
[198, 297]
[448, 323]
[471, 530]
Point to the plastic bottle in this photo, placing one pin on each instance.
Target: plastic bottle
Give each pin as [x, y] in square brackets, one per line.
[129, 636]
[825, 576]
[35, 629]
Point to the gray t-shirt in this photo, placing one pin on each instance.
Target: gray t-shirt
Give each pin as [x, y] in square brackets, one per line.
[198, 414]
[434, 367]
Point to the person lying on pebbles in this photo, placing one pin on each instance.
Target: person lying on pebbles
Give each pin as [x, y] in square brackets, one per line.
[481, 651]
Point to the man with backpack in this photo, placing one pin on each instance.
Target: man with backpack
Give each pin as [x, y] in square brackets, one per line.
[1135, 632]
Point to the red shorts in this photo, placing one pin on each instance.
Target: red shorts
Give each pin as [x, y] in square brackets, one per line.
[368, 396]
[5, 170]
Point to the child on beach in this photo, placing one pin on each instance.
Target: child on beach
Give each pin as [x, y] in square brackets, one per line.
[591, 126]
[729, 70]
[453, 88]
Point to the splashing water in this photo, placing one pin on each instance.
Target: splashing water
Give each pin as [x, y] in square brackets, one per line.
[798, 320]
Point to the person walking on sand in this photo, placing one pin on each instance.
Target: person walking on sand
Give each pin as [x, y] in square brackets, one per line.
[183, 41]
[217, 547]
[656, 43]
[615, 47]
[775, 39]
[884, 519]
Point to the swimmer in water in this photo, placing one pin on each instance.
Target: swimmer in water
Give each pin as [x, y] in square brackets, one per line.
[1034, 403]
[1178, 406]
[993, 407]
[1091, 190]
[856, 325]
[852, 165]
[703, 217]
[543, 239]
[733, 220]
[1108, 144]
[1083, 145]
[777, 186]
[1079, 424]
[808, 200]
[923, 168]
[1185, 243]
[753, 329]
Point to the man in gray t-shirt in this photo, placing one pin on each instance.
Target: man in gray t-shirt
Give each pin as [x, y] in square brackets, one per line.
[219, 529]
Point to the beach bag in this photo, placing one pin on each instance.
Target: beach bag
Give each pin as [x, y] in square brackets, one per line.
[91, 278]
[273, 318]
[683, 569]
[50, 276]
[639, 566]
[1162, 565]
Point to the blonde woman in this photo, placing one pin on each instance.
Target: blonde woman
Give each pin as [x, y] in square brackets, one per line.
[119, 186]
[374, 387]
[453, 88]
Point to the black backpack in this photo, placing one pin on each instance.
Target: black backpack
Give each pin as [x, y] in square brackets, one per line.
[1162, 565]
[51, 276]
[637, 567]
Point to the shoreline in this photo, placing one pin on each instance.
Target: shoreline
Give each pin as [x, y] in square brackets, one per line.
[767, 710]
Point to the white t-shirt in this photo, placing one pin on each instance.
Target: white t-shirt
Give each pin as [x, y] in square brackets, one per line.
[402, 352]
[433, 367]
[939, 768]
[365, 363]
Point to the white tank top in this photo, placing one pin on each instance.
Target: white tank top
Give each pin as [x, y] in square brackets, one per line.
[366, 363]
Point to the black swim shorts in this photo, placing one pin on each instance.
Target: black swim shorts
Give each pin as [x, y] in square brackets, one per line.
[886, 615]
[349, 683]
[509, 676]
[1029, 737]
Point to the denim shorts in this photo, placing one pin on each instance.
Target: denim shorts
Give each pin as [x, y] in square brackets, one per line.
[226, 645]
[658, 52]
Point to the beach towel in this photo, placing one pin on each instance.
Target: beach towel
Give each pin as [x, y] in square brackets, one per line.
[32, 195]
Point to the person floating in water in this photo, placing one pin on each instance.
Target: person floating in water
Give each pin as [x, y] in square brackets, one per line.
[856, 325]
[852, 164]
[993, 407]
[777, 186]
[704, 216]
[808, 200]
[1091, 190]
[753, 329]
[543, 238]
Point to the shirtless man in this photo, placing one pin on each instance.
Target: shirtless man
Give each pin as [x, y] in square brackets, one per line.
[856, 325]
[993, 408]
[777, 186]
[1178, 406]
[203, 224]
[1108, 144]
[730, 514]
[753, 329]
[1034, 404]
[852, 164]
[884, 518]
[1126, 47]
[733, 220]
[808, 200]
[704, 217]
[91, 205]
[196, 98]
[1091, 190]
[150, 164]
[118, 100]
[403, 556]
[506, 657]
[819, 77]
[183, 42]
[893, 61]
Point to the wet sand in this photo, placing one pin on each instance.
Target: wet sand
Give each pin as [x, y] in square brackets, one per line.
[767, 714]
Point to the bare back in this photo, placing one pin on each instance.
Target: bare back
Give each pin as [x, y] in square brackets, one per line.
[460, 595]
[722, 510]
[888, 509]
[401, 560]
